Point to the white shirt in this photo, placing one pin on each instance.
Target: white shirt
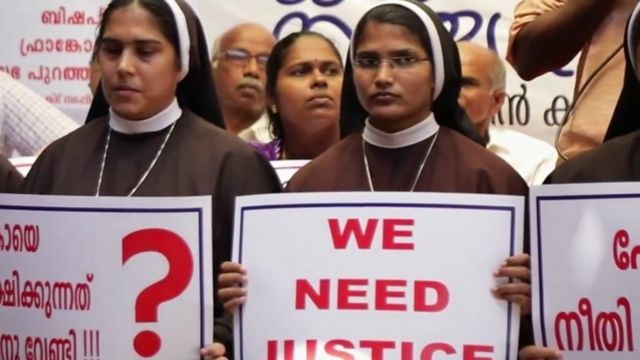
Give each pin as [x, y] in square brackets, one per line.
[259, 131]
[533, 159]
[28, 122]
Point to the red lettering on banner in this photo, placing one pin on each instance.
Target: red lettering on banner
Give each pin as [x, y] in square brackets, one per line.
[383, 294]
[351, 294]
[14, 71]
[343, 349]
[420, 296]
[352, 228]
[469, 352]
[19, 238]
[391, 232]
[606, 331]
[59, 17]
[364, 237]
[346, 292]
[331, 348]
[624, 258]
[9, 347]
[320, 298]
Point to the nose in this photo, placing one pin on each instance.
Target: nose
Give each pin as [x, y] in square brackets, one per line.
[251, 68]
[384, 75]
[125, 63]
[319, 80]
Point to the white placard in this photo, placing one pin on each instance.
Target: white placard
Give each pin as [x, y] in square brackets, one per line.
[287, 168]
[585, 247]
[23, 164]
[416, 280]
[105, 278]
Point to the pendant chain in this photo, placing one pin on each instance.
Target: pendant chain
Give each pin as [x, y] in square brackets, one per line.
[146, 173]
[418, 173]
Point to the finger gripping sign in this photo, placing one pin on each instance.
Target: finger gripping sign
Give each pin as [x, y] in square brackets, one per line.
[366, 276]
[105, 278]
[178, 254]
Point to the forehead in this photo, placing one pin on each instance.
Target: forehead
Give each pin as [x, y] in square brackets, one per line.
[133, 22]
[310, 48]
[386, 37]
[475, 61]
[249, 38]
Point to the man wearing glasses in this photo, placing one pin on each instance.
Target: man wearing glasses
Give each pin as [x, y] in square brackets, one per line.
[239, 58]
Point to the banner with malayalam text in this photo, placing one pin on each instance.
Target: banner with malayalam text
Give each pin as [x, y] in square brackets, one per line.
[105, 278]
[585, 266]
[375, 275]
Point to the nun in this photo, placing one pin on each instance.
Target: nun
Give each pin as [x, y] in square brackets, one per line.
[10, 178]
[401, 124]
[403, 130]
[618, 157]
[154, 127]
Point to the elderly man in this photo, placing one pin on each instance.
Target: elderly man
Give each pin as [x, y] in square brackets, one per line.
[482, 96]
[239, 60]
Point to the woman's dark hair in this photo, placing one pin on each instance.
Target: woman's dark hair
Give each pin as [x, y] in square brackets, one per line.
[274, 64]
[160, 11]
[395, 15]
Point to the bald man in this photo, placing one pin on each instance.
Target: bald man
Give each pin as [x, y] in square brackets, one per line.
[239, 58]
[482, 95]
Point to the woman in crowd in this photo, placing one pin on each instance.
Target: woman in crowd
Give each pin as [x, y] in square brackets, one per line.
[10, 178]
[618, 157]
[304, 80]
[404, 131]
[151, 127]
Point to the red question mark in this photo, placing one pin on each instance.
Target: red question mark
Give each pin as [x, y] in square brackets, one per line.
[147, 343]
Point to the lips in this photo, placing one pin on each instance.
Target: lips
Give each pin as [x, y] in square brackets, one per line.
[383, 96]
[320, 100]
[125, 89]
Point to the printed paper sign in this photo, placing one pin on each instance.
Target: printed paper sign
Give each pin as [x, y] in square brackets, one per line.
[375, 275]
[585, 249]
[105, 278]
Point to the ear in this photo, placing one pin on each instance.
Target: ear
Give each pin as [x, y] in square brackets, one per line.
[499, 97]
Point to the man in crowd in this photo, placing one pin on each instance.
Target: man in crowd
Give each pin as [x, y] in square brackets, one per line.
[548, 34]
[482, 96]
[239, 59]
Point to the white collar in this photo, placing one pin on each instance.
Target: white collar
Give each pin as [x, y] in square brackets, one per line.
[413, 135]
[157, 122]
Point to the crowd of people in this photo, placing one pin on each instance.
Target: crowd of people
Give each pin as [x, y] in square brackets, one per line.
[408, 110]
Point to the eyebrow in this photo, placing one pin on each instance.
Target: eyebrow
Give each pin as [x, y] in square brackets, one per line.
[393, 53]
[311, 62]
[467, 80]
[109, 40]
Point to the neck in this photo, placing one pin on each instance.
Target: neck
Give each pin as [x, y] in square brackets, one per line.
[156, 122]
[235, 122]
[305, 145]
[419, 132]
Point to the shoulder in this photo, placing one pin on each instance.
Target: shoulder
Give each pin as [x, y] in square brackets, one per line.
[612, 161]
[490, 172]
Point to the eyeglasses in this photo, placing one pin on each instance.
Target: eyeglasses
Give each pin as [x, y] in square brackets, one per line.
[396, 63]
[242, 57]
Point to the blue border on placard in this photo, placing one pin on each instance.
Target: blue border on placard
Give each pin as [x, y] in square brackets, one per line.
[539, 201]
[244, 209]
[197, 211]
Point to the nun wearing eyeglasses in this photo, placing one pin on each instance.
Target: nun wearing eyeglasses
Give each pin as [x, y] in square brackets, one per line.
[401, 124]
[151, 130]
[404, 130]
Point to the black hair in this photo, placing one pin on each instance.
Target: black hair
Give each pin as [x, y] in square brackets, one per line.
[274, 64]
